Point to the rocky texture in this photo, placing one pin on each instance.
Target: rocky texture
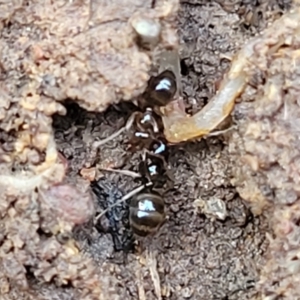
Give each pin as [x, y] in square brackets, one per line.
[266, 149]
[52, 51]
[87, 52]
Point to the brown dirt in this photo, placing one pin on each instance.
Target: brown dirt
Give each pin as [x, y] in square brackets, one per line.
[265, 148]
[46, 59]
[52, 51]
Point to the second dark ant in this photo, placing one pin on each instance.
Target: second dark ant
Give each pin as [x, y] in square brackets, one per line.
[147, 208]
[144, 126]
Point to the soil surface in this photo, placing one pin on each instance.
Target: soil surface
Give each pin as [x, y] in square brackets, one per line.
[49, 246]
[265, 149]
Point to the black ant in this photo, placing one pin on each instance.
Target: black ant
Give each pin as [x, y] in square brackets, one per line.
[146, 206]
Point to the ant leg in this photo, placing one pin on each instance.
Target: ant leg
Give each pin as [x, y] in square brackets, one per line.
[131, 120]
[219, 132]
[124, 198]
[127, 127]
[226, 56]
[97, 144]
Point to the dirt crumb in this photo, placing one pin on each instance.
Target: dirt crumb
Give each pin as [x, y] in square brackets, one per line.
[76, 49]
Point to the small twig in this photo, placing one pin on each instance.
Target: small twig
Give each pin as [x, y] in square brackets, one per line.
[140, 287]
[152, 265]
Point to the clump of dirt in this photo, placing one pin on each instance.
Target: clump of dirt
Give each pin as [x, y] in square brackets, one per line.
[76, 49]
[36, 239]
[265, 149]
[51, 51]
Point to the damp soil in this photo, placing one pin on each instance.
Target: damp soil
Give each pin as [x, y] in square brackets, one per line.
[196, 254]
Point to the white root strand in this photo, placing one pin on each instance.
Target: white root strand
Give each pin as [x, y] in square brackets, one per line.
[26, 182]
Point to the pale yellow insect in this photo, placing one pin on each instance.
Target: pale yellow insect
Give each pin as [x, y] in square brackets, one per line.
[179, 127]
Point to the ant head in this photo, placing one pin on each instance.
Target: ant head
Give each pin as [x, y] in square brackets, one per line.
[161, 89]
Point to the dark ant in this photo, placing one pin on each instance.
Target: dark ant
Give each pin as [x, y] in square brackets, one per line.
[146, 212]
[161, 89]
[144, 127]
[146, 207]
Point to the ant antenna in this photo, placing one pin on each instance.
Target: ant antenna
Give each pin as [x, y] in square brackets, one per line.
[124, 198]
[97, 144]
